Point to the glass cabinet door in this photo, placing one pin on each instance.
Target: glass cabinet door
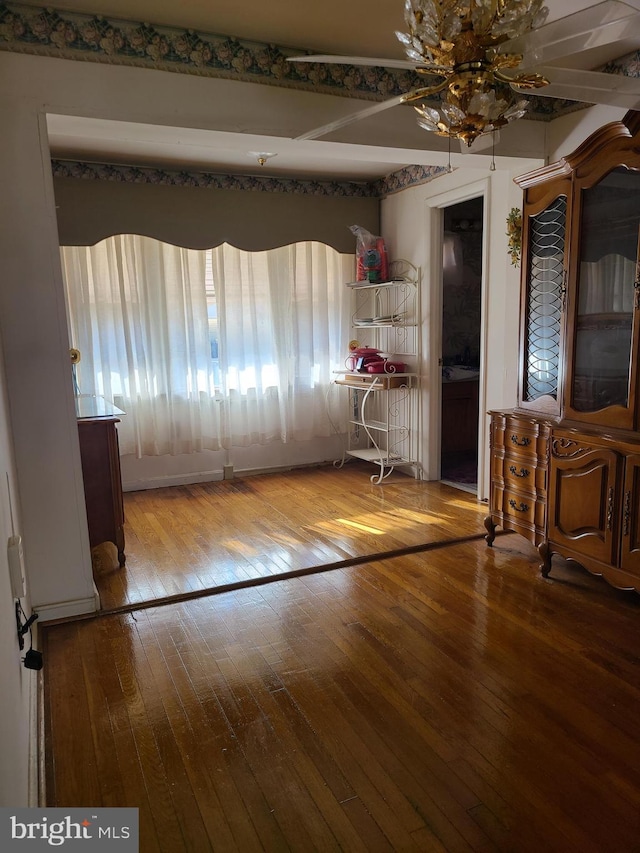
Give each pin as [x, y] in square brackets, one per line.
[544, 305]
[606, 295]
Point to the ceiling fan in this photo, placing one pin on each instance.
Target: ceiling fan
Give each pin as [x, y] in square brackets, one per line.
[476, 53]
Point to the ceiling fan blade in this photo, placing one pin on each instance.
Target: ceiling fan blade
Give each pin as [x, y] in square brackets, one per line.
[359, 60]
[600, 25]
[353, 117]
[376, 62]
[589, 87]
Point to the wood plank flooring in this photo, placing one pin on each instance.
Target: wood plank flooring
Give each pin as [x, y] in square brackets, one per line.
[446, 701]
[186, 539]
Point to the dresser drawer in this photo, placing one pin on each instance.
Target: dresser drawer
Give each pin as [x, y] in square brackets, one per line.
[521, 508]
[520, 437]
[518, 473]
[524, 476]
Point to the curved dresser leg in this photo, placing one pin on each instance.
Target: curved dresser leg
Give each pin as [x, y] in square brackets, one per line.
[491, 530]
[545, 552]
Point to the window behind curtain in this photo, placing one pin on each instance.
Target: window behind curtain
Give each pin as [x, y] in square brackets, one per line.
[212, 318]
[209, 349]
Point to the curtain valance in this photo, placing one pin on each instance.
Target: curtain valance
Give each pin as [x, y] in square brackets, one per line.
[193, 217]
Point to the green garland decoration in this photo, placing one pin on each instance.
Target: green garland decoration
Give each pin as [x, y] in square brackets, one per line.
[514, 233]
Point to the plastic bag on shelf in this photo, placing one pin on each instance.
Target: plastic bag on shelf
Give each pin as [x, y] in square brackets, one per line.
[371, 256]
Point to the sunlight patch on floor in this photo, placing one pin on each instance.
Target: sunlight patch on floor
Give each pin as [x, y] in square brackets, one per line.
[337, 529]
[481, 508]
[396, 518]
[380, 523]
[358, 525]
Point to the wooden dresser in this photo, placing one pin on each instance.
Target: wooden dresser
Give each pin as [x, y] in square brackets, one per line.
[98, 434]
[519, 454]
[565, 463]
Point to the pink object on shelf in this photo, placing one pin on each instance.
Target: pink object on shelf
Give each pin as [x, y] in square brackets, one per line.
[386, 367]
[362, 357]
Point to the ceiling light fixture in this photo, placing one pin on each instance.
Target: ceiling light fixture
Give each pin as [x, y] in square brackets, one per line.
[458, 40]
[262, 156]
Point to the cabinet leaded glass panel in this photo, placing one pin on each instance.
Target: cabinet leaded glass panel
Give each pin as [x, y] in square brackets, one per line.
[547, 231]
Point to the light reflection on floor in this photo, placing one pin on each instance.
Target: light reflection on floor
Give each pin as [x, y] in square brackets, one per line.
[358, 525]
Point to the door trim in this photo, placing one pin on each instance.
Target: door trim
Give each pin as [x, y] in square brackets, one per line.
[432, 347]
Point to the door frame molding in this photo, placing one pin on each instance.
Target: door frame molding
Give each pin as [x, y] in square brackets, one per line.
[432, 347]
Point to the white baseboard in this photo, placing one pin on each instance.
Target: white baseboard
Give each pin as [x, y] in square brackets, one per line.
[214, 476]
[279, 469]
[172, 480]
[64, 609]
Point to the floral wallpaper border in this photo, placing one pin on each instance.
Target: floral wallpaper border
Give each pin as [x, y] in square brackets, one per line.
[49, 32]
[628, 65]
[71, 35]
[410, 176]
[400, 180]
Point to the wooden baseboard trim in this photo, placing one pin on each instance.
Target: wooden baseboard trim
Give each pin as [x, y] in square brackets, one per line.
[283, 576]
[40, 789]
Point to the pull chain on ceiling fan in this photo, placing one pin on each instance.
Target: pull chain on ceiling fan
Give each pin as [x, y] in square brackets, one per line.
[480, 51]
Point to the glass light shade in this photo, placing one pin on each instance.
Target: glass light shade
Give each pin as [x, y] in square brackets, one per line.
[472, 105]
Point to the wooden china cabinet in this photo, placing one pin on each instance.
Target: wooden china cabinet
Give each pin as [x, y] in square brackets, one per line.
[565, 463]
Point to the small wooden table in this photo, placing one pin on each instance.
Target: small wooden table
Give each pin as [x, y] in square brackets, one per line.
[97, 419]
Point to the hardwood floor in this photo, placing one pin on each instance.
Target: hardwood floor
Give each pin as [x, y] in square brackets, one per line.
[187, 539]
[451, 700]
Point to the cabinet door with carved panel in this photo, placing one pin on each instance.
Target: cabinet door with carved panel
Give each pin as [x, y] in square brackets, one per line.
[630, 542]
[582, 498]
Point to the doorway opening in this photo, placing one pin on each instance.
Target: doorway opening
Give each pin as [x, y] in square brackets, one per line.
[461, 337]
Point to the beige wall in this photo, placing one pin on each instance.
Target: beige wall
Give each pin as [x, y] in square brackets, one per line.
[36, 351]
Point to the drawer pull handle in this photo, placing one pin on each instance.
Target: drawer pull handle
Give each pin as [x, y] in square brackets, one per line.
[522, 508]
[525, 442]
[610, 509]
[627, 513]
[524, 472]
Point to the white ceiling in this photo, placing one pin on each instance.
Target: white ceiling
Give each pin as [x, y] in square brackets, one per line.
[330, 26]
[128, 143]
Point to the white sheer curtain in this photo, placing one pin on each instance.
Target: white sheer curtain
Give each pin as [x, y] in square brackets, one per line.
[138, 314]
[606, 285]
[283, 318]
